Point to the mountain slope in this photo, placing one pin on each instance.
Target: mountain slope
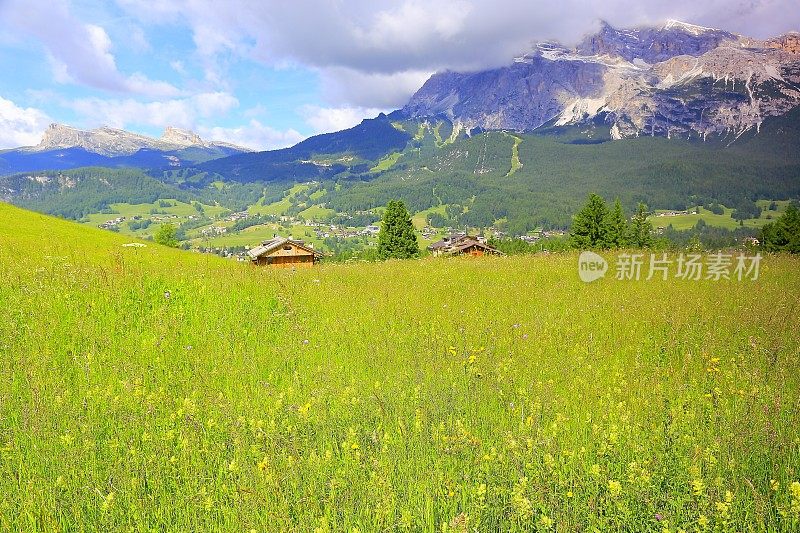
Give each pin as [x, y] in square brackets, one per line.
[555, 170]
[319, 157]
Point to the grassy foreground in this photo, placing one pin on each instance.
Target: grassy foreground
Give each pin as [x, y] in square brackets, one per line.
[147, 389]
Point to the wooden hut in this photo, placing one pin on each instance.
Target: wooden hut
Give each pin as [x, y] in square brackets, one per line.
[462, 244]
[280, 252]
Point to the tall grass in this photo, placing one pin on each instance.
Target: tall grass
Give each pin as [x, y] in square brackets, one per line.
[146, 389]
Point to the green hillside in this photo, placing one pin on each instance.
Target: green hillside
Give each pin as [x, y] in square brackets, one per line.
[512, 182]
[149, 389]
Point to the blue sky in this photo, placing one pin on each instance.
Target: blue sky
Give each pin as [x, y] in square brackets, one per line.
[267, 73]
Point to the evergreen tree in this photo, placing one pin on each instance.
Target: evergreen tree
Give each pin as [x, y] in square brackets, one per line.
[166, 236]
[641, 230]
[618, 231]
[590, 225]
[397, 239]
[783, 235]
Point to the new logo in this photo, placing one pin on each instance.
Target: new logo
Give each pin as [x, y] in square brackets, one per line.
[591, 267]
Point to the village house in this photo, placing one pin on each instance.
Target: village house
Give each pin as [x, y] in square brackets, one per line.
[281, 252]
[463, 244]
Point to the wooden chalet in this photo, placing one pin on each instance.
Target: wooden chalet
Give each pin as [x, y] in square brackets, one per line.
[462, 244]
[280, 252]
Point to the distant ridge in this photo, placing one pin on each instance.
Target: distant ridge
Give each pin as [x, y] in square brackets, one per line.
[112, 142]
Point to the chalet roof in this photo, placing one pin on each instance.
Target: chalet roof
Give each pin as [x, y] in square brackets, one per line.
[276, 242]
[447, 241]
[470, 242]
[460, 242]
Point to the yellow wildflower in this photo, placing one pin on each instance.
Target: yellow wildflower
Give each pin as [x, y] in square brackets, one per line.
[698, 487]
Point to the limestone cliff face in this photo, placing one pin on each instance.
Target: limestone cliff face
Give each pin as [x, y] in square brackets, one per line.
[675, 80]
[788, 43]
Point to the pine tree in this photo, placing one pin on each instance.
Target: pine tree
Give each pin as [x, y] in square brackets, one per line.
[397, 239]
[641, 232]
[618, 231]
[590, 225]
[783, 235]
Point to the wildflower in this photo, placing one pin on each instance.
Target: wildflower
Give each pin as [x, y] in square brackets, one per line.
[698, 487]
[659, 517]
[614, 487]
[545, 521]
[595, 470]
[232, 466]
[702, 521]
[774, 485]
[794, 488]
[522, 505]
[305, 342]
[569, 494]
[108, 500]
[167, 295]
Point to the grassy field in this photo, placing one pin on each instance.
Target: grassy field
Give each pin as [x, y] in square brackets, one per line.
[180, 210]
[684, 222]
[148, 389]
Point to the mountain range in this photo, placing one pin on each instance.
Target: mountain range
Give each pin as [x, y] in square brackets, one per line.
[65, 147]
[672, 115]
[674, 80]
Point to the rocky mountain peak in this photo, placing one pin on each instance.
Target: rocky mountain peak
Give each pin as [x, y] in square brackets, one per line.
[182, 137]
[676, 79]
[654, 44]
[114, 142]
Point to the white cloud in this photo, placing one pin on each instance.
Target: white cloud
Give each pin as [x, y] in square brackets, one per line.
[138, 40]
[178, 66]
[391, 37]
[327, 119]
[253, 135]
[181, 112]
[78, 52]
[20, 126]
[377, 90]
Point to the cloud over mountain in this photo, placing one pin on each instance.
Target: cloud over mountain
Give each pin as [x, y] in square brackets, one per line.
[378, 40]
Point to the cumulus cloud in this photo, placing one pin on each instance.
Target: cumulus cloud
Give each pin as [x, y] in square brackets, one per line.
[180, 112]
[349, 42]
[20, 126]
[379, 90]
[254, 135]
[78, 52]
[325, 119]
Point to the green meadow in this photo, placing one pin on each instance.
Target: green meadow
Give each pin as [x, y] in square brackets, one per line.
[688, 221]
[150, 389]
